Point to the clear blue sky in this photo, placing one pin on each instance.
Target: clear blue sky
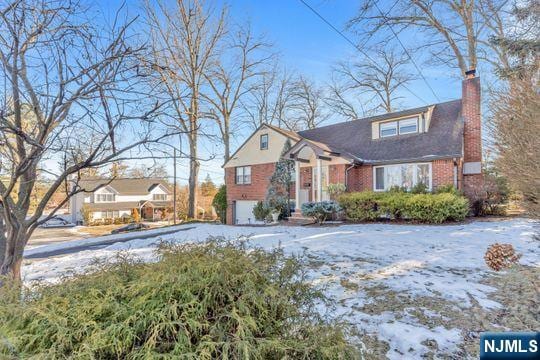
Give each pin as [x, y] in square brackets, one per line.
[309, 46]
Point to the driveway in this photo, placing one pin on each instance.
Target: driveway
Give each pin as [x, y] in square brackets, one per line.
[43, 236]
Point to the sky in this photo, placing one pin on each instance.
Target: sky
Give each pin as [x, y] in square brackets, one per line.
[308, 46]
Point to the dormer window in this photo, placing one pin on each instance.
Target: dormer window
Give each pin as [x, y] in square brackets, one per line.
[399, 127]
[408, 126]
[159, 197]
[388, 129]
[105, 197]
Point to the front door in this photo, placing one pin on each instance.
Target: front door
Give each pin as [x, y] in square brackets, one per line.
[324, 180]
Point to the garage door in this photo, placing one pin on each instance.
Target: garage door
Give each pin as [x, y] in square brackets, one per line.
[244, 212]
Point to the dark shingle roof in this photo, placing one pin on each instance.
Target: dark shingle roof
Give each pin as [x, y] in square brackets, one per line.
[443, 139]
[125, 186]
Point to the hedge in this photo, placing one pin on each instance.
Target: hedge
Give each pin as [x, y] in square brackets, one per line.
[425, 208]
[211, 301]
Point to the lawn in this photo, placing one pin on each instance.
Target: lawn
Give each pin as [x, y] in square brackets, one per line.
[410, 291]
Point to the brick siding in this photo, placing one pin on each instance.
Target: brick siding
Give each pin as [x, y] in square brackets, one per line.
[360, 178]
[260, 180]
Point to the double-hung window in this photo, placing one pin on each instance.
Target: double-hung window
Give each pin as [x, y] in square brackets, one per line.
[401, 127]
[105, 197]
[243, 175]
[388, 129]
[264, 142]
[159, 197]
[408, 126]
[402, 175]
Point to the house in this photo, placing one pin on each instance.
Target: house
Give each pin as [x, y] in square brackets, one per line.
[248, 171]
[436, 145]
[111, 199]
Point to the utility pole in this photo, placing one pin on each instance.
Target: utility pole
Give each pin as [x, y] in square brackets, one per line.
[174, 186]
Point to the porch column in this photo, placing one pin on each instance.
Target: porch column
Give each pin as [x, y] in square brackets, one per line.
[297, 186]
[319, 182]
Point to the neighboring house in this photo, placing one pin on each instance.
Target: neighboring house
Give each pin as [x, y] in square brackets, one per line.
[106, 199]
[437, 145]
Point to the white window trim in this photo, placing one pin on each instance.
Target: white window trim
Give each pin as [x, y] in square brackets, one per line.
[411, 132]
[261, 142]
[105, 194]
[415, 172]
[243, 175]
[398, 131]
[160, 195]
[386, 123]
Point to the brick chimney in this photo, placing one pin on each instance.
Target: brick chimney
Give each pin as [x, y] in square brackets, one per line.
[473, 179]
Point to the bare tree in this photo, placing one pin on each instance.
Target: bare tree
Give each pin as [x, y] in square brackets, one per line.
[234, 75]
[269, 100]
[380, 81]
[449, 27]
[307, 109]
[68, 91]
[185, 37]
[340, 101]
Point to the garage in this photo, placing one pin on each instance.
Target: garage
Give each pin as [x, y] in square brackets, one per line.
[243, 212]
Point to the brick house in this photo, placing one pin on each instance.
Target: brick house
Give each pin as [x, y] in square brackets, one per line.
[437, 145]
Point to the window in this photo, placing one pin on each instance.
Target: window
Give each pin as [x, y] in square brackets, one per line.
[408, 126]
[159, 197]
[402, 175]
[107, 214]
[105, 197]
[264, 142]
[379, 178]
[112, 214]
[243, 175]
[401, 127]
[388, 129]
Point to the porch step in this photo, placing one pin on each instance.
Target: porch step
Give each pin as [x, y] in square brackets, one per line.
[298, 219]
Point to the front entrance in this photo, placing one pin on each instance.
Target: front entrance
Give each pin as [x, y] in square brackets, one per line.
[324, 182]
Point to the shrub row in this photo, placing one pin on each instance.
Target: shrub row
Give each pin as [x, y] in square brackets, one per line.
[426, 208]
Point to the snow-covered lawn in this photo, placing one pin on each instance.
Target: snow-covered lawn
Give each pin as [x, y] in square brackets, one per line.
[405, 285]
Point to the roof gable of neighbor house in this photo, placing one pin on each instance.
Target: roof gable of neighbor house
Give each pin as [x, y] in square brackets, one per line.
[125, 186]
[250, 153]
[444, 137]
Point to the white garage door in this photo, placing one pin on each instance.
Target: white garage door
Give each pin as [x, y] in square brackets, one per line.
[244, 212]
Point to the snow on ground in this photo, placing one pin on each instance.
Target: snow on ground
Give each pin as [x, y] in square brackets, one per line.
[442, 262]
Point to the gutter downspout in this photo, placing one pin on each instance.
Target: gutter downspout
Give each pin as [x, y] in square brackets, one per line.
[347, 176]
[456, 174]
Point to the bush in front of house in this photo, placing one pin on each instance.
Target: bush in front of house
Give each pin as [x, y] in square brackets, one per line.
[425, 208]
[220, 203]
[320, 211]
[261, 211]
[209, 301]
[361, 206]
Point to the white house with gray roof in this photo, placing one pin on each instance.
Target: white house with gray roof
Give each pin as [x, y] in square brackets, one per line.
[111, 199]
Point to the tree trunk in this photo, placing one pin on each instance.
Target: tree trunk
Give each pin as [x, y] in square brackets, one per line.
[13, 255]
[3, 240]
[193, 177]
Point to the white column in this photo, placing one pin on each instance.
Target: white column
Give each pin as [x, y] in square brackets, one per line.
[319, 182]
[297, 185]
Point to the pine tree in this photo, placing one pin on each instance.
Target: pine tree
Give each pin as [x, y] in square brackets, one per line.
[278, 194]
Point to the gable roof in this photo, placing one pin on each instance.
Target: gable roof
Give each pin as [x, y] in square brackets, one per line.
[287, 133]
[125, 186]
[443, 139]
